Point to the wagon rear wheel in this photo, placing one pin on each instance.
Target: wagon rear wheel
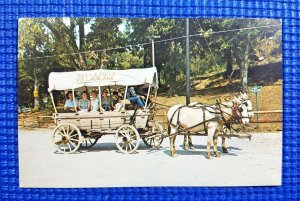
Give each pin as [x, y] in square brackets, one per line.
[154, 142]
[66, 138]
[127, 139]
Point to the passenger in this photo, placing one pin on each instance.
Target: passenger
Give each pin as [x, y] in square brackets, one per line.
[133, 97]
[115, 99]
[95, 102]
[141, 93]
[69, 104]
[84, 103]
[118, 106]
[106, 102]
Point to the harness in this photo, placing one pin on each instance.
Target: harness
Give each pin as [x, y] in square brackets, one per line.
[234, 118]
[197, 106]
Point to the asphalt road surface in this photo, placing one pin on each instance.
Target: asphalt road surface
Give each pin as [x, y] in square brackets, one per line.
[248, 163]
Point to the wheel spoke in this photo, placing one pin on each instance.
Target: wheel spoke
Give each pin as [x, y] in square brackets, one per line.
[126, 147]
[152, 141]
[75, 134]
[70, 134]
[132, 140]
[60, 133]
[74, 140]
[121, 134]
[72, 144]
[130, 146]
[69, 147]
[59, 146]
[64, 130]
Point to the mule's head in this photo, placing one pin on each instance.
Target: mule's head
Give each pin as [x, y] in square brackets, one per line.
[241, 106]
[243, 113]
[247, 102]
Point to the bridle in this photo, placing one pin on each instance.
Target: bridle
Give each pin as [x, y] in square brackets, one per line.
[244, 101]
[237, 110]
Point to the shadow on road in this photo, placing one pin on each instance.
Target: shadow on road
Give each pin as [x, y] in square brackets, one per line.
[110, 146]
[201, 152]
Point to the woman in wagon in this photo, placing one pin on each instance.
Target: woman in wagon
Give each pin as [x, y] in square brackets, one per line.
[133, 97]
[95, 105]
[70, 103]
[84, 103]
[106, 103]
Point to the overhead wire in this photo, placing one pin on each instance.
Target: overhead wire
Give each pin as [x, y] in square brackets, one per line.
[142, 44]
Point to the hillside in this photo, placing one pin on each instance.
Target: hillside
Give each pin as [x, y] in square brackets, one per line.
[211, 88]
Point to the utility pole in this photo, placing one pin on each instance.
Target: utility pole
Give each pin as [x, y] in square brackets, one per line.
[187, 67]
[153, 49]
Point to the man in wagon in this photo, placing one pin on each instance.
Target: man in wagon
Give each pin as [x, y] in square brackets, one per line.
[70, 103]
[134, 98]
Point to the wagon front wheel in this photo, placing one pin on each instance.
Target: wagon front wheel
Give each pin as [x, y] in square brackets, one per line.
[155, 140]
[127, 139]
[66, 138]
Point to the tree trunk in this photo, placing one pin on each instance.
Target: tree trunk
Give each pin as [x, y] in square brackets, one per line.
[36, 105]
[145, 58]
[82, 38]
[172, 74]
[244, 69]
[172, 81]
[238, 59]
[228, 56]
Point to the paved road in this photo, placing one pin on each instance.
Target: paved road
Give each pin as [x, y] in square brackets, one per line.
[249, 163]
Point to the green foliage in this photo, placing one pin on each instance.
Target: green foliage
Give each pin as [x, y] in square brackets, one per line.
[88, 43]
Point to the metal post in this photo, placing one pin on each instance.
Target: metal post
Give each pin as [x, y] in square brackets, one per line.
[100, 102]
[153, 56]
[187, 68]
[148, 94]
[75, 106]
[124, 102]
[153, 49]
[52, 99]
[256, 95]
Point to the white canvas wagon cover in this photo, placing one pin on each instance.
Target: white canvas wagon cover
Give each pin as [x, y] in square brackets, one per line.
[102, 77]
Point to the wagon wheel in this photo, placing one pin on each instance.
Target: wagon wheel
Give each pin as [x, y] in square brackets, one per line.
[154, 142]
[66, 138]
[127, 139]
[89, 142]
